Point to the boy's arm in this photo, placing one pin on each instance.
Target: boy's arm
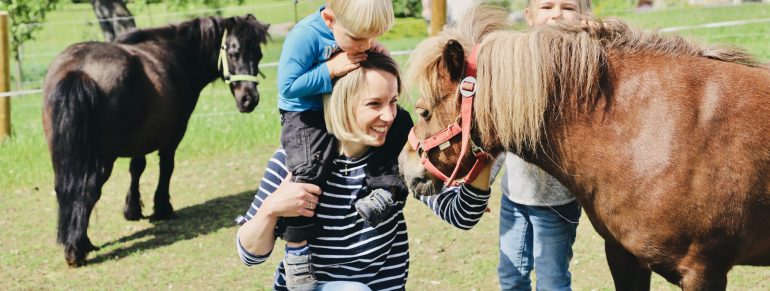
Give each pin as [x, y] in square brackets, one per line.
[297, 75]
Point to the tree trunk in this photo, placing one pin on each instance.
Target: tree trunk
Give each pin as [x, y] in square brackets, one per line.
[114, 17]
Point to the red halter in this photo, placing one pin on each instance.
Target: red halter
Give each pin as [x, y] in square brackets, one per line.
[442, 138]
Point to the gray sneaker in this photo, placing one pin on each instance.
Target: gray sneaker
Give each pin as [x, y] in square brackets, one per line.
[299, 272]
[376, 207]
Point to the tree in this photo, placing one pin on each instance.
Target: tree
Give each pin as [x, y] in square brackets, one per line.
[26, 16]
[114, 17]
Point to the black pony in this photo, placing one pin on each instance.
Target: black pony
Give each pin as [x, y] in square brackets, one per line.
[131, 97]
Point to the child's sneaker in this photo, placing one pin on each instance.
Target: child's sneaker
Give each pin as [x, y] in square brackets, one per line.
[299, 272]
[376, 207]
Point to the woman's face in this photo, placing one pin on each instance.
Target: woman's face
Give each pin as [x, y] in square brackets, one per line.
[376, 108]
[550, 11]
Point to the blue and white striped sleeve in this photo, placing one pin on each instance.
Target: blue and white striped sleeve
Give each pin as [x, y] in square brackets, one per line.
[275, 172]
[461, 206]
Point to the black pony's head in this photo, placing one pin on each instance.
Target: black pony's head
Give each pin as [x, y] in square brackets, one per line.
[242, 52]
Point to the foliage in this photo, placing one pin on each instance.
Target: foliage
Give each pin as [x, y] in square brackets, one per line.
[407, 8]
[25, 14]
[502, 3]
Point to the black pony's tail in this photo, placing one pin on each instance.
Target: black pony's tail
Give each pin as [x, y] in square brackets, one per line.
[74, 108]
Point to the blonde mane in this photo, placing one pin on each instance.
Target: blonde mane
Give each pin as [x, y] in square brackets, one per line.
[521, 74]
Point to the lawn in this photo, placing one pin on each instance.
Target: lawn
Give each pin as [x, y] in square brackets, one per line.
[217, 169]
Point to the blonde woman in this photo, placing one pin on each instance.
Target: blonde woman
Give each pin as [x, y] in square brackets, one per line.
[321, 48]
[349, 253]
[538, 215]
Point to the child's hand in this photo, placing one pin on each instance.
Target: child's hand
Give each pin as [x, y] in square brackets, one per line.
[342, 63]
[378, 47]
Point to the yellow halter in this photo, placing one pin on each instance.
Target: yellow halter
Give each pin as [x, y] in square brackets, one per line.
[222, 63]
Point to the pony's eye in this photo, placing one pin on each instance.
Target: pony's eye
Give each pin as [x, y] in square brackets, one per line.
[424, 113]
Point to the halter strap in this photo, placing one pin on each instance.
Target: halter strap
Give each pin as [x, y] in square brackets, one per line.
[222, 63]
[442, 138]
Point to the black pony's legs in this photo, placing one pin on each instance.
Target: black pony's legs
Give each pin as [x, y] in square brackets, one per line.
[626, 271]
[162, 208]
[77, 244]
[133, 208]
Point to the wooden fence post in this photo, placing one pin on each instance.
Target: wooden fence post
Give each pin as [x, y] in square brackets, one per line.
[437, 16]
[5, 78]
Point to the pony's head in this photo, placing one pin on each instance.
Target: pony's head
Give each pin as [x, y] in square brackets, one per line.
[239, 58]
[435, 70]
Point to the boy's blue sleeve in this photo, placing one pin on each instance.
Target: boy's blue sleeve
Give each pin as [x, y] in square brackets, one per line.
[297, 75]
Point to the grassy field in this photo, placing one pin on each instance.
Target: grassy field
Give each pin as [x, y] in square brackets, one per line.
[218, 165]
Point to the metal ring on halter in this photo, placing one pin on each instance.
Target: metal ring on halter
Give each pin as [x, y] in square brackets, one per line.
[467, 93]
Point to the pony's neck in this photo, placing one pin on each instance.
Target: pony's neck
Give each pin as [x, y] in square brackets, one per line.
[201, 38]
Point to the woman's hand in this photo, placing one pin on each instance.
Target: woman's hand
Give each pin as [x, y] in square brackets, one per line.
[482, 181]
[292, 199]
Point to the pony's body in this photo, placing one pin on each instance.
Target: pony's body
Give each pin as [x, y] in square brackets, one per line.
[665, 144]
[143, 124]
[129, 98]
[676, 175]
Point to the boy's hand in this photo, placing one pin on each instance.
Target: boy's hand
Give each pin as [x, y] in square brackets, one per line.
[342, 63]
[378, 47]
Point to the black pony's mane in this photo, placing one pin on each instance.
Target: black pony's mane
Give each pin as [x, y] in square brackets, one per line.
[207, 31]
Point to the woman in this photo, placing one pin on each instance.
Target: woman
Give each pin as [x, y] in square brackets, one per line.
[349, 254]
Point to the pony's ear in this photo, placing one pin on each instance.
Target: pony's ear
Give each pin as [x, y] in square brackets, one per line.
[454, 60]
[251, 17]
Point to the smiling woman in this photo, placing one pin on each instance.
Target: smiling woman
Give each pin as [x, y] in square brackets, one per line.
[350, 253]
[367, 114]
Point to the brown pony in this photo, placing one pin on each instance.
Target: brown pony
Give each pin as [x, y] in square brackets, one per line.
[666, 144]
[132, 97]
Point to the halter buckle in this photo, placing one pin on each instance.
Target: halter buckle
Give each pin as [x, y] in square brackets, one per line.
[470, 81]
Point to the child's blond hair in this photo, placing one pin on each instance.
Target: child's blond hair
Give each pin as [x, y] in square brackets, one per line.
[584, 6]
[340, 105]
[363, 18]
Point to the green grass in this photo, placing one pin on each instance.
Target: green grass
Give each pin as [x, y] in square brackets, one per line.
[218, 165]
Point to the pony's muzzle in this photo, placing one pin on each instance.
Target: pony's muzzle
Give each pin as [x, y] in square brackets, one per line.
[415, 175]
[246, 95]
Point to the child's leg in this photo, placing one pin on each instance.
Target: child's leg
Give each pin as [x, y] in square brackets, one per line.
[383, 177]
[309, 151]
[384, 172]
[309, 148]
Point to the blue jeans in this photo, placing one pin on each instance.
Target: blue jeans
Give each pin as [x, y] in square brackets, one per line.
[342, 286]
[536, 236]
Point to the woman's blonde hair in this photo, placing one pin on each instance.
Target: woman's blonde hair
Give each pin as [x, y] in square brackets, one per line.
[340, 105]
[363, 18]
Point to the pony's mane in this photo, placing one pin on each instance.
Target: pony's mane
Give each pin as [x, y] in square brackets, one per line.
[205, 31]
[520, 73]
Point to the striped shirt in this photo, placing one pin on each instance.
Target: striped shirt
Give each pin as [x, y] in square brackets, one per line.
[348, 248]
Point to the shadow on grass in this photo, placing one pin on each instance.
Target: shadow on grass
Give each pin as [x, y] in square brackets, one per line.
[192, 222]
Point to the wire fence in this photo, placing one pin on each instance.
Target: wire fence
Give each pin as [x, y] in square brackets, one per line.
[56, 34]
